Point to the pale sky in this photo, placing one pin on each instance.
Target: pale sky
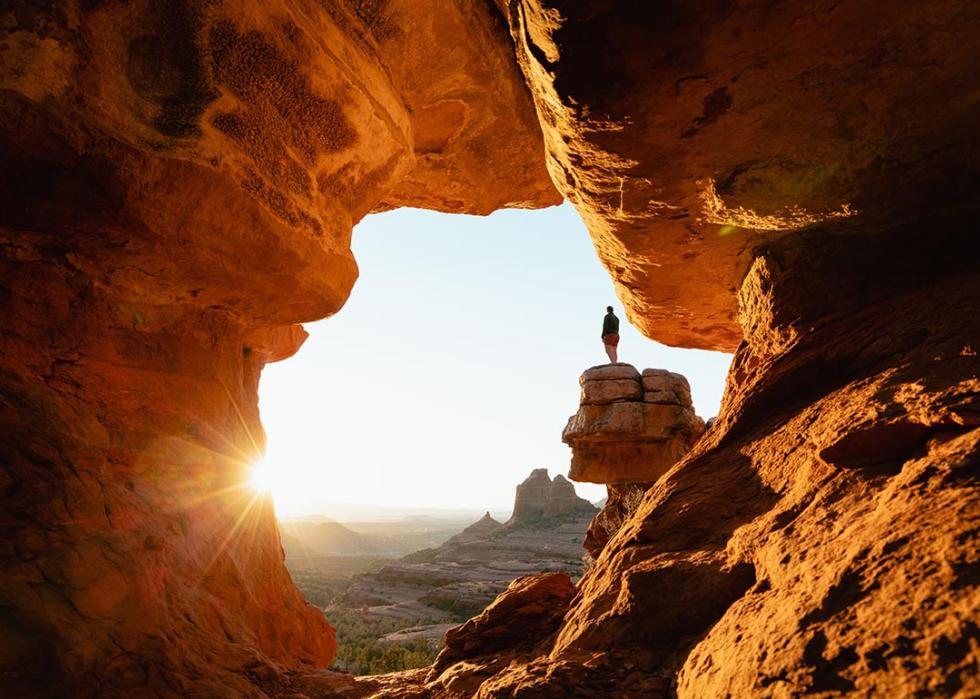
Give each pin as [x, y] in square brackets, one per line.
[452, 369]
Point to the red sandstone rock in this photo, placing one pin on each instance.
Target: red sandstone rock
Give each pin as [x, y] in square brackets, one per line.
[178, 187]
[478, 145]
[622, 500]
[528, 611]
[540, 496]
[602, 392]
[690, 135]
[660, 386]
[629, 430]
[621, 434]
[179, 177]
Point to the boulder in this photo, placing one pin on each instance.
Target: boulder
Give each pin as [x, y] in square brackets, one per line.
[523, 615]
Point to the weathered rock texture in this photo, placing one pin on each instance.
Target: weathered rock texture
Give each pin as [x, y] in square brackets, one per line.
[180, 179]
[630, 428]
[529, 610]
[178, 187]
[477, 143]
[689, 134]
[540, 496]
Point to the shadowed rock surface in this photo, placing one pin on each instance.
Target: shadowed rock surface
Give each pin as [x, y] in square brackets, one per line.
[178, 188]
[690, 134]
[795, 180]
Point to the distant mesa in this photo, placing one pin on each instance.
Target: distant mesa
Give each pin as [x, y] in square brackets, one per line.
[540, 496]
[457, 579]
[304, 540]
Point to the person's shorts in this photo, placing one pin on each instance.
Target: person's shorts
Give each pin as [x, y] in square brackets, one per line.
[611, 339]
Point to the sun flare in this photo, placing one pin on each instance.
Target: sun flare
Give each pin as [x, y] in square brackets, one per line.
[263, 477]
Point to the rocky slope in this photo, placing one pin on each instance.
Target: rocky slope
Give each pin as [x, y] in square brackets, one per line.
[480, 529]
[466, 573]
[795, 180]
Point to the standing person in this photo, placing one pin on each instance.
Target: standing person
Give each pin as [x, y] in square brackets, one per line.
[610, 334]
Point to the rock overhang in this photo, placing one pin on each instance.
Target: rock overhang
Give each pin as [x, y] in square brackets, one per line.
[691, 136]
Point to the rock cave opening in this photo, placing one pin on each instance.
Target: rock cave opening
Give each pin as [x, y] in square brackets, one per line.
[479, 362]
[794, 182]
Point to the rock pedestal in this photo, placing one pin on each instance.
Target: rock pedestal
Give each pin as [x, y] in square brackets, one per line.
[630, 427]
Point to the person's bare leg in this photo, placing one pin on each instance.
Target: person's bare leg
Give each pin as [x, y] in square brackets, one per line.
[611, 353]
[614, 354]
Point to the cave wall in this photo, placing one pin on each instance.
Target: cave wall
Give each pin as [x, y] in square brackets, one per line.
[178, 189]
[136, 559]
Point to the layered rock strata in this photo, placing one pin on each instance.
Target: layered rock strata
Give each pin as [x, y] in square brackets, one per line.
[540, 496]
[630, 428]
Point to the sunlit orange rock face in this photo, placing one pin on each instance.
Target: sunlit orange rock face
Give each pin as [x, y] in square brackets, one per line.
[690, 135]
[797, 180]
[178, 189]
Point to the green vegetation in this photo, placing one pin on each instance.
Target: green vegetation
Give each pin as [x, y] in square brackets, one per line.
[458, 608]
[361, 651]
[323, 579]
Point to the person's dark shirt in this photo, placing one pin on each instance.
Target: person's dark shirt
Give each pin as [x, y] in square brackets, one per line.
[610, 324]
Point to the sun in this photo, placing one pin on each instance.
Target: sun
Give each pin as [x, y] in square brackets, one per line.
[263, 477]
